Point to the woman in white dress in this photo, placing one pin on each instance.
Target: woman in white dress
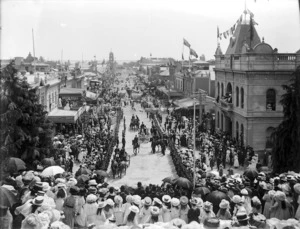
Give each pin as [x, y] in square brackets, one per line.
[236, 161]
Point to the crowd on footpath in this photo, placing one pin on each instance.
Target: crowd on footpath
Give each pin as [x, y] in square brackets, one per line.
[64, 202]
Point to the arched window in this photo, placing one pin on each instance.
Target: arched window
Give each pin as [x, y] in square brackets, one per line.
[237, 130]
[271, 100]
[218, 120]
[242, 97]
[242, 134]
[228, 93]
[218, 90]
[237, 93]
[222, 89]
[269, 141]
[222, 117]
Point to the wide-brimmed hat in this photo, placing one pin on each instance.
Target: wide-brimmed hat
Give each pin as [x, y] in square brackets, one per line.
[61, 185]
[129, 198]
[193, 201]
[236, 199]
[244, 192]
[137, 199]
[224, 204]
[46, 186]
[91, 198]
[134, 209]
[118, 199]
[184, 200]
[156, 200]
[32, 221]
[175, 202]
[40, 193]
[178, 223]
[92, 189]
[38, 200]
[207, 206]
[147, 201]
[109, 202]
[211, 223]
[92, 183]
[154, 210]
[166, 198]
[101, 204]
[280, 196]
[242, 216]
[74, 190]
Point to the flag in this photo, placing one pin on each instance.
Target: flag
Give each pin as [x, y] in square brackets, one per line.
[231, 30]
[218, 33]
[251, 14]
[193, 53]
[233, 27]
[224, 35]
[221, 36]
[186, 43]
[182, 57]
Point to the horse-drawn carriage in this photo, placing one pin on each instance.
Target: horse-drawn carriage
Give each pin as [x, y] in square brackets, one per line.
[144, 135]
[134, 124]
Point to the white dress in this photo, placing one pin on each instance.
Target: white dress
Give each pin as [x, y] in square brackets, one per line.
[236, 162]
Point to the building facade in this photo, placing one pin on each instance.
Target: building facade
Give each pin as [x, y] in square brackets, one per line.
[248, 87]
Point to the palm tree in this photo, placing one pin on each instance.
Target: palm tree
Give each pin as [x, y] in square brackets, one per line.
[286, 150]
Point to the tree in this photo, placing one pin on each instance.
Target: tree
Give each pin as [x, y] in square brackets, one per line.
[25, 131]
[286, 154]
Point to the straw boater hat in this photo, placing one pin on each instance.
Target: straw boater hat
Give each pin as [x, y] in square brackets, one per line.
[207, 206]
[38, 200]
[32, 221]
[224, 204]
[92, 183]
[101, 204]
[109, 202]
[236, 199]
[211, 223]
[147, 201]
[134, 209]
[118, 199]
[184, 200]
[154, 210]
[166, 199]
[242, 216]
[175, 202]
[91, 198]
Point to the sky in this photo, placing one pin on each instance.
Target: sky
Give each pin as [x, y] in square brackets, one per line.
[76, 29]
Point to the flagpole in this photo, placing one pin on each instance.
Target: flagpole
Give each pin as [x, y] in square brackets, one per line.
[182, 57]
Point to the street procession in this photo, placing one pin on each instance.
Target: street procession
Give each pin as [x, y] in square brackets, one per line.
[150, 142]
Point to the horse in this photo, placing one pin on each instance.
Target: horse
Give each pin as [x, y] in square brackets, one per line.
[122, 167]
[114, 168]
[134, 124]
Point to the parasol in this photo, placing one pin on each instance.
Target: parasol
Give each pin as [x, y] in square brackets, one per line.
[203, 191]
[251, 173]
[170, 179]
[215, 198]
[7, 198]
[183, 182]
[52, 171]
[82, 179]
[102, 173]
[48, 162]
[82, 171]
[15, 165]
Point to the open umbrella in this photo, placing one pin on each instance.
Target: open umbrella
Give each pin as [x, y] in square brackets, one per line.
[203, 191]
[82, 178]
[7, 198]
[170, 179]
[15, 165]
[251, 173]
[102, 173]
[183, 182]
[215, 198]
[52, 171]
[82, 171]
[48, 162]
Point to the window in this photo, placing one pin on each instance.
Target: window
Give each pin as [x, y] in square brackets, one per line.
[222, 89]
[218, 120]
[271, 100]
[242, 97]
[242, 134]
[237, 130]
[55, 97]
[222, 117]
[218, 89]
[269, 140]
[237, 93]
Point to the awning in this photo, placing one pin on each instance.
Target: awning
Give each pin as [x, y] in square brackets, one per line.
[64, 116]
[170, 92]
[91, 95]
[186, 103]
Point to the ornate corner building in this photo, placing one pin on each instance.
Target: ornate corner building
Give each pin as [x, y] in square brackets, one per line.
[249, 79]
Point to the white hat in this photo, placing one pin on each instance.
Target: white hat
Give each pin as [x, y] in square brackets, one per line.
[244, 192]
[166, 199]
[134, 209]
[91, 198]
[109, 202]
[236, 199]
[175, 202]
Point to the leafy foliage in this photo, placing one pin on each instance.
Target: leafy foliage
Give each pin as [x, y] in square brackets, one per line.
[286, 150]
[25, 132]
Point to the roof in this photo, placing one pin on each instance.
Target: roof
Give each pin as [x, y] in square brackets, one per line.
[63, 116]
[200, 62]
[71, 91]
[165, 73]
[186, 102]
[240, 37]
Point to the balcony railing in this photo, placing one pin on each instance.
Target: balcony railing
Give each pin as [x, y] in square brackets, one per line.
[226, 106]
[254, 61]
